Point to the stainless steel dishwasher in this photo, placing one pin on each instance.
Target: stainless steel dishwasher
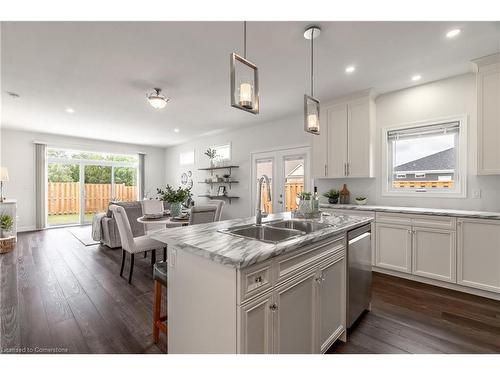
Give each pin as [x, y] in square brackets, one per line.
[359, 272]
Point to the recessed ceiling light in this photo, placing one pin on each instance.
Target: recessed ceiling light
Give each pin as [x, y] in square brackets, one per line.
[350, 69]
[177, 130]
[70, 110]
[416, 77]
[452, 33]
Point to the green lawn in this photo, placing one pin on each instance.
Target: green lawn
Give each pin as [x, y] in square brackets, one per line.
[54, 220]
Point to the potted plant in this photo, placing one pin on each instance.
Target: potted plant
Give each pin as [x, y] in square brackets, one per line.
[6, 224]
[175, 197]
[332, 195]
[211, 153]
[361, 200]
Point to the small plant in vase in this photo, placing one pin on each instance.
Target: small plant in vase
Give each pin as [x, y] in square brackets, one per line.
[212, 154]
[332, 195]
[175, 197]
[6, 224]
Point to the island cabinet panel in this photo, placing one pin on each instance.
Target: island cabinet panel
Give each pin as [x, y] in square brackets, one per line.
[434, 253]
[332, 310]
[393, 249]
[304, 310]
[295, 315]
[256, 325]
[479, 254]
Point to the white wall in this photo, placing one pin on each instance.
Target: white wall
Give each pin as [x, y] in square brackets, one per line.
[287, 132]
[448, 97]
[18, 155]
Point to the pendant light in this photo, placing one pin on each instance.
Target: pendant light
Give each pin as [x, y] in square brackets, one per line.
[157, 100]
[244, 80]
[311, 105]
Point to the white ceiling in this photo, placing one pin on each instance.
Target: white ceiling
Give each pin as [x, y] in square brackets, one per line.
[104, 69]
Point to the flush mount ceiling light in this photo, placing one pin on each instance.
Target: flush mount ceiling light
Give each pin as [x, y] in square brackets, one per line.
[452, 33]
[416, 77]
[311, 105]
[350, 69]
[176, 130]
[70, 110]
[244, 80]
[157, 100]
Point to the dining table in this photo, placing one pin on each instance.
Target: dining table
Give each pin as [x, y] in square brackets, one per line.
[167, 220]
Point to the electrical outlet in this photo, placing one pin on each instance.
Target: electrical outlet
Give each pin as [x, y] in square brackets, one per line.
[476, 193]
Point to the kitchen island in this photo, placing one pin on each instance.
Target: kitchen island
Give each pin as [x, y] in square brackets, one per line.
[230, 294]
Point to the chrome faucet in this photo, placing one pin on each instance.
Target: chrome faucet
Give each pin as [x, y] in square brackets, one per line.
[258, 217]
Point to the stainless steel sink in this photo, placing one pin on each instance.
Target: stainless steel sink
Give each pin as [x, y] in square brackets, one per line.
[263, 233]
[301, 225]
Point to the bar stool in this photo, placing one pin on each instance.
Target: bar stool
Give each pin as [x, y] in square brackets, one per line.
[159, 322]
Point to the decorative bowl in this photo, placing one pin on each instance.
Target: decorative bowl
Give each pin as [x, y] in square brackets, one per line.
[361, 202]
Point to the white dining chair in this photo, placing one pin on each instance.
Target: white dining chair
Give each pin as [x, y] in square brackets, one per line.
[133, 245]
[220, 205]
[202, 214]
[152, 206]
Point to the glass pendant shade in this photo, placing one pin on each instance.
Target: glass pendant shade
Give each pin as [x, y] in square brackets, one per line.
[244, 84]
[311, 115]
[157, 100]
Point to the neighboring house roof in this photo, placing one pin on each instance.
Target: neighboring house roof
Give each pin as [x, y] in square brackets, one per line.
[298, 171]
[443, 160]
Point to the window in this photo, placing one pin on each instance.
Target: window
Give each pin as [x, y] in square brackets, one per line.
[186, 158]
[223, 151]
[426, 159]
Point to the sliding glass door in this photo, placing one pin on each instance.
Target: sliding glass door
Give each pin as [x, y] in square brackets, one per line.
[81, 184]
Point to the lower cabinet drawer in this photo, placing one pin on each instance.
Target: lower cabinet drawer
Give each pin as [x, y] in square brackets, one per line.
[290, 266]
[255, 280]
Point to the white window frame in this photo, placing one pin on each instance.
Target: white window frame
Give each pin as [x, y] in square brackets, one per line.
[461, 170]
[225, 145]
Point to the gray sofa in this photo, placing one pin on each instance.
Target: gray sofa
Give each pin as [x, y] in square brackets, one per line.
[109, 235]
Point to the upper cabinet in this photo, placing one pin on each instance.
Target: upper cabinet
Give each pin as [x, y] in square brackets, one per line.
[345, 146]
[488, 114]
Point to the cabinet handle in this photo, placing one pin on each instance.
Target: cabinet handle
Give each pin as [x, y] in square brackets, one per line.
[348, 169]
[326, 170]
[345, 169]
[273, 307]
[258, 279]
[320, 279]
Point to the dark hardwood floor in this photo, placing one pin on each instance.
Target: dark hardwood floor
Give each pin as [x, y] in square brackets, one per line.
[410, 317]
[57, 295]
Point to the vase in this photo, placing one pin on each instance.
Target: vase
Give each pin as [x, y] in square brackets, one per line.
[175, 209]
[333, 200]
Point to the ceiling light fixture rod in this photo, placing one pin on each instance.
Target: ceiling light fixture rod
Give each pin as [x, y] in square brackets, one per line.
[245, 39]
[312, 61]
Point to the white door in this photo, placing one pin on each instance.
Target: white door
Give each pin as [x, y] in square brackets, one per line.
[256, 326]
[434, 254]
[337, 140]
[296, 315]
[393, 249]
[358, 138]
[332, 306]
[289, 174]
[479, 254]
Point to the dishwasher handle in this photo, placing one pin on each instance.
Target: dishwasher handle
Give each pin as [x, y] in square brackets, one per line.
[359, 238]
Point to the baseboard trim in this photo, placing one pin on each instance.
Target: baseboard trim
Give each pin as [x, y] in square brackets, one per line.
[26, 229]
[442, 284]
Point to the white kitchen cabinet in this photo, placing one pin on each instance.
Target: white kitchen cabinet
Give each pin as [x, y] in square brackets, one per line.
[488, 114]
[295, 315]
[346, 144]
[336, 117]
[479, 254]
[393, 247]
[332, 309]
[434, 253]
[257, 326]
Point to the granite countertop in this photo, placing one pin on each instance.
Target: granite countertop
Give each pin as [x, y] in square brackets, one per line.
[417, 210]
[205, 240]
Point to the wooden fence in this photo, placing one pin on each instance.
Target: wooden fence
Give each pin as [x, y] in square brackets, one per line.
[291, 191]
[422, 184]
[64, 197]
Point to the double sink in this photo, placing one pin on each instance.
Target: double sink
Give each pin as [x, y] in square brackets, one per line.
[276, 231]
